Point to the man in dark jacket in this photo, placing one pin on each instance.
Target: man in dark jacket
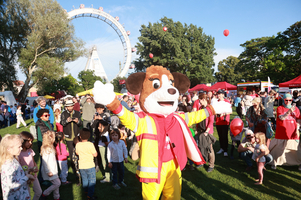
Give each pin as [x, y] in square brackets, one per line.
[71, 122]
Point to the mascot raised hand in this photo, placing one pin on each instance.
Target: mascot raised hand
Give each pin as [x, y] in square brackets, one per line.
[163, 135]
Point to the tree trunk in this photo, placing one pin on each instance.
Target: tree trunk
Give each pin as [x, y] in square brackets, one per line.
[24, 91]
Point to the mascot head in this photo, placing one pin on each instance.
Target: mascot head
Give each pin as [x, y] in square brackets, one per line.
[159, 89]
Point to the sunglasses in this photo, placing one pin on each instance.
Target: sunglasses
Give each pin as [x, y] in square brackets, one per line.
[288, 100]
[47, 115]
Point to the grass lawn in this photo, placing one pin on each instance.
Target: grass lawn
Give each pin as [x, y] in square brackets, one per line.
[229, 180]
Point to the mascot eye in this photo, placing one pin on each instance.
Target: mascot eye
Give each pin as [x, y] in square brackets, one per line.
[171, 82]
[156, 83]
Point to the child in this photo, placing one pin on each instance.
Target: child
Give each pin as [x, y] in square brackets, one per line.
[258, 155]
[86, 152]
[75, 159]
[49, 167]
[62, 154]
[26, 158]
[57, 113]
[13, 178]
[116, 151]
[20, 119]
[102, 140]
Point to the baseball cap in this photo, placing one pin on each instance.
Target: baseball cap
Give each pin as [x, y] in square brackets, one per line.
[220, 91]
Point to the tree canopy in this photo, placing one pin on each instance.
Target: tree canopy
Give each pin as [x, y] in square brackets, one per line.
[13, 30]
[272, 56]
[48, 41]
[88, 78]
[118, 87]
[227, 70]
[182, 48]
[67, 83]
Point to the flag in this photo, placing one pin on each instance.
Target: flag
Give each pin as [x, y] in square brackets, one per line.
[269, 84]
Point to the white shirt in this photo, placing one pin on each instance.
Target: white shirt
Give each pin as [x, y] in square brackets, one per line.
[116, 151]
[100, 143]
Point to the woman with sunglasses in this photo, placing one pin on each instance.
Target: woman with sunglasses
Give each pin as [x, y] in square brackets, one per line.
[42, 126]
[284, 147]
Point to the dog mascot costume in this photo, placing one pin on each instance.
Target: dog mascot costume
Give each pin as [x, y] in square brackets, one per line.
[163, 135]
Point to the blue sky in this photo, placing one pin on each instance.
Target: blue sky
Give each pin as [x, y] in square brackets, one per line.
[245, 19]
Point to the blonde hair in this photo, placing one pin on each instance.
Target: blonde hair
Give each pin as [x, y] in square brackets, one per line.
[261, 137]
[7, 142]
[47, 145]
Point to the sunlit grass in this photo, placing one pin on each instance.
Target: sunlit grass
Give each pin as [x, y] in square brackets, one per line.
[229, 180]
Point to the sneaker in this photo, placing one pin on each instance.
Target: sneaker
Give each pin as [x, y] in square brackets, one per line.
[210, 169]
[273, 167]
[225, 154]
[191, 167]
[199, 166]
[123, 184]
[104, 181]
[66, 183]
[220, 151]
[116, 187]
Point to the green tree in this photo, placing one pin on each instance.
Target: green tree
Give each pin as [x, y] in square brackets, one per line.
[13, 30]
[88, 78]
[49, 43]
[117, 86]
[226, 70]
[272, 56]
[182, 48]
[67, 83]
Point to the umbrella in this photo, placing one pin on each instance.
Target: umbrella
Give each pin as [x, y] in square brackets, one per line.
[222, 85]
[48, 97]
[199, 87]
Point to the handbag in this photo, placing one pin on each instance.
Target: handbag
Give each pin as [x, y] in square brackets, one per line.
[269, 131]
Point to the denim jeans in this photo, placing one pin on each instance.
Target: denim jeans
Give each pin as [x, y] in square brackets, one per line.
[88, 180]
[247, 157]
[117, 168]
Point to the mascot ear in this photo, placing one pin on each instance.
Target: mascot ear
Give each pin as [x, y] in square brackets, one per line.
[181, 82]
[134, 82]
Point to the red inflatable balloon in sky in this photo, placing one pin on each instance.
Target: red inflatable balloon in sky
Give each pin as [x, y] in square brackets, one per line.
[226, 32]
[236, 126]
[151, 55]
[164, 28]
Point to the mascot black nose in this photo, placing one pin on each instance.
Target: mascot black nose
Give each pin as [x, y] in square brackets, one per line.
[171, 91]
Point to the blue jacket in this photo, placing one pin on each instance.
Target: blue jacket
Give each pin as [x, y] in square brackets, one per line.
[51, 118]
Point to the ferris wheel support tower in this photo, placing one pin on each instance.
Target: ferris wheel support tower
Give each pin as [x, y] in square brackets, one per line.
[114, 23]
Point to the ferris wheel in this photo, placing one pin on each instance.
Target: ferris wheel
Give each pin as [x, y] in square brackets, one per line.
[114, 23]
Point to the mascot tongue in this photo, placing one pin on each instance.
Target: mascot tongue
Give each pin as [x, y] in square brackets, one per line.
[165, 103]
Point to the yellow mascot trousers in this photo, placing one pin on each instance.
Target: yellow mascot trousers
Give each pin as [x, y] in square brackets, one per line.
[170, 184]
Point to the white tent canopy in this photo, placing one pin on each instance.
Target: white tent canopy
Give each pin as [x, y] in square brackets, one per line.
[8, 97]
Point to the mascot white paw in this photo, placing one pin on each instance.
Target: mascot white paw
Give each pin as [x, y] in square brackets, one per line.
[103, 93]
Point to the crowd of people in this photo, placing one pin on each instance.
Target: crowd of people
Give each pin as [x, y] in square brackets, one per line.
[94, 140]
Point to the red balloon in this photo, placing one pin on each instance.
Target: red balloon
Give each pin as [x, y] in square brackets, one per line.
[151, 55]
[226, 32]
[236, 126]
[164, 28]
